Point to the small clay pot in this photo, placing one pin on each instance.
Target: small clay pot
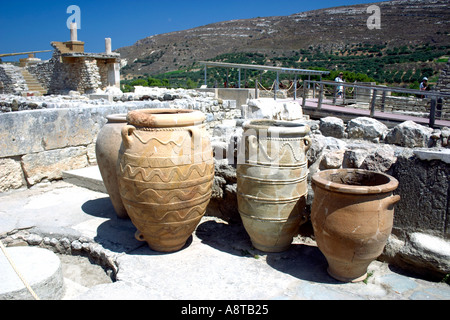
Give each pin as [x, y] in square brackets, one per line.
[352, 216]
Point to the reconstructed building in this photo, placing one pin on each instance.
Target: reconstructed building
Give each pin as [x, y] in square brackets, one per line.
[69, 69]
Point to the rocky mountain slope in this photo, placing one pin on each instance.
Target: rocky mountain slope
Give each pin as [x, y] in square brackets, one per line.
[403, 22]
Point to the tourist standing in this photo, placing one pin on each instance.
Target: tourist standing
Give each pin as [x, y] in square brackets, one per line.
[340, 89]
[424, 85]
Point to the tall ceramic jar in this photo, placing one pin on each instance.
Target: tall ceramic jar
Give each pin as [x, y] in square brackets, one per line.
[352, 216]
[166, 172]
[107, 148]
[272, 182]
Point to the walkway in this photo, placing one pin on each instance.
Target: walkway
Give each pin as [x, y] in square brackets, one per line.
[218, 262]
[348, 113]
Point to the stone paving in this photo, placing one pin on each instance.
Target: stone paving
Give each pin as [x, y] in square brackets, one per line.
[217, 263]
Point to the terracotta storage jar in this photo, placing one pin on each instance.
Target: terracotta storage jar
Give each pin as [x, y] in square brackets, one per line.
[166, 172]
[107, 148]
[272, 182]
[352, 216]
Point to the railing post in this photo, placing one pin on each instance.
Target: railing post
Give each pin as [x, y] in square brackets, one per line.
[275, 90]
[383, 101]
[256, 89]
[439, 108]
[372, 106]
[239, 81]
[319, 105]
[433, 112]
[343, 96]
[334, 94]
[295, 88]
[304, 95]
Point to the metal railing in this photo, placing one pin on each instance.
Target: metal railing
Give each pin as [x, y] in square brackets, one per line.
[2, 55]
[377, 96]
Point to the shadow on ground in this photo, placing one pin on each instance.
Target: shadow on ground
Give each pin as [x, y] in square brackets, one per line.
[302, 261]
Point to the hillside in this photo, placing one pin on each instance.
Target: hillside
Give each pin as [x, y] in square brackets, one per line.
[413, 23]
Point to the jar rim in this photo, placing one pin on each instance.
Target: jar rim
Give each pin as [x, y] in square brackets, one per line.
[355, 181]
[120, 117]
[277, 126]
[161, 118]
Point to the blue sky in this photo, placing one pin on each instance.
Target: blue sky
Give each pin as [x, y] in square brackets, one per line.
[32, 25]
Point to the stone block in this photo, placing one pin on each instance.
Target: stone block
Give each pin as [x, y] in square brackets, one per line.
[332, 127]
[49, 165]
[366, 128]
[11, 175]
[267, 108]
[36, 131]
[424, 187]
[433, 154]
[95, 96]
[229, 104]
[332, 160]
[409, 134]
[40, 267]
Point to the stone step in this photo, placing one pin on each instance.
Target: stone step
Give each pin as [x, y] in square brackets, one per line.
[89, 178]
[32, 83]
[40, 268]
[61, 47]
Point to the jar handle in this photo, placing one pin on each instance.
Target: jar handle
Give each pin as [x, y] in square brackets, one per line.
[252, 149]
[392, 200]
[127, 133]
[196, 144]
[139, 236]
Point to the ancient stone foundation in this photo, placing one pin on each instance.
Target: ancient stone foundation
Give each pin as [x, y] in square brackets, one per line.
[56, 134]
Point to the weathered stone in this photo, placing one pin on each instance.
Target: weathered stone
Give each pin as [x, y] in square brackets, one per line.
[320, 143]
[409, 134]
[423, 253]
[76, 245]
[332, 127]
[41, 130]
[424, 187]
[220, 149]
[354, 157]
[290, 111]
[34, 239]
[11, 175]
[224, 130]
[217, 189]
[270, 109]
[445, 135]
[332, 160]
[433, 154]
[92, 157]
[49, 165]
[366, 128]
[381, 159]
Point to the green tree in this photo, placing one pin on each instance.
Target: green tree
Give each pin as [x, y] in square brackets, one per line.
[152, 82]
[139, 82]
[191, 84]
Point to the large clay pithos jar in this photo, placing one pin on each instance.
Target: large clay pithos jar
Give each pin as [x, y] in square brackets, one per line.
[107, 148]
[272, 182]
[166, 172]
[352, 216]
